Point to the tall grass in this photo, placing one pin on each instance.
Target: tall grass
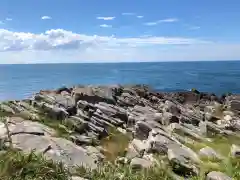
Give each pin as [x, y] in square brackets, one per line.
[15, 165]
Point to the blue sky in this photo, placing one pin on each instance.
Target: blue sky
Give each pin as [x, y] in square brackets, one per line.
[41, 31]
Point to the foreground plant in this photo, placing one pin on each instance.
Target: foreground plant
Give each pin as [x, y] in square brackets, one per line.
[15, 165]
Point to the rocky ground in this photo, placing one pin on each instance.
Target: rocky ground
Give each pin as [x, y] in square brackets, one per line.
[114, 132]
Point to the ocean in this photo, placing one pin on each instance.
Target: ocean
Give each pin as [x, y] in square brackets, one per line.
[21, 81]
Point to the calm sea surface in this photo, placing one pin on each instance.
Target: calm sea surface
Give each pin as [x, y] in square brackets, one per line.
[21, 81]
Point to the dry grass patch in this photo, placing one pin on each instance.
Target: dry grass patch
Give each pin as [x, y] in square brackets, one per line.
[115, 144]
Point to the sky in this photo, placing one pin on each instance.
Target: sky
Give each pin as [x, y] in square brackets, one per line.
[74, 31]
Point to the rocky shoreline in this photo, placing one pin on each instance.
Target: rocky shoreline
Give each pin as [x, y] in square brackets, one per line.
[130, 125]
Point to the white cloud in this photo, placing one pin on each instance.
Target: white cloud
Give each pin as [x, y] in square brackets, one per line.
[9, 19]
[105, 26]
[58, 45]
[61, 39]
[194, 28]
[46, 17]
[139, 17]
[128, 14]
[169, 20]
[106, 18]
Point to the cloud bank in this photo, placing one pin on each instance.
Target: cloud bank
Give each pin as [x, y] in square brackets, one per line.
[59, 45]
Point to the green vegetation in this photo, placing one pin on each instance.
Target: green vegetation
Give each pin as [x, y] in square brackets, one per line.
[15, 165]
[59, 126]
[111, 172]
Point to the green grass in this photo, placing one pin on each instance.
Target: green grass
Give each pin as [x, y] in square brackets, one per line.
[122, 172]
[15, 165]
[61, 129]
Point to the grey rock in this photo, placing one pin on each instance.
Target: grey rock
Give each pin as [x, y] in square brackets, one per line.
[55, 112]
[139, 163]
[30, 127]
[181, 130]
[20, 126]
[77, 178]
[94, 152]
[61, 150]
[183, 161]
[209, 153]
[168, 118]
[142, 130]
[171, 108]
[77, 123]
[95, 94]
[81, 139]
[159, 141]
[235, 151]
[44, 98]
[6, 108]
[131, 152]
[139, 145]
[233, 102]
[214, 175]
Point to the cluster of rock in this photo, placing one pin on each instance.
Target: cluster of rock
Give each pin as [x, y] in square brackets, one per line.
[159, 123]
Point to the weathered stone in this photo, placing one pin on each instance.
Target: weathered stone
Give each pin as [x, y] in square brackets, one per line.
[6, 108]
[58, 149]
[77, 123]
[55, 112]
[139, 163]
[81, 139]
[209, 153]
[181, 130]
[131, 152]
[183, 161]
[77, 178]
[139, 145]
[159, 141]
[142, 130]
[44, 98]
[168, 118]
[235, 151]
[214, 175]
[94, 153]
[171, 108]
[30, 127]
[95, 94]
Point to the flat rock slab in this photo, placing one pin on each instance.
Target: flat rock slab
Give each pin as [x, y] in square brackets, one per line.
[20, 126]
[139, 163]
[214, 175]
[57, 149]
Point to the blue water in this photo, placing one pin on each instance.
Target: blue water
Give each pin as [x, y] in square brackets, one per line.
[21, 81]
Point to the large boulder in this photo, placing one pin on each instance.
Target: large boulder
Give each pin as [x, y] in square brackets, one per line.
[96, 94]
[55, 112]
[159, 141]
[233, 102]
[57, 149]
[183, 161]
[142, 130]
[168, 118]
